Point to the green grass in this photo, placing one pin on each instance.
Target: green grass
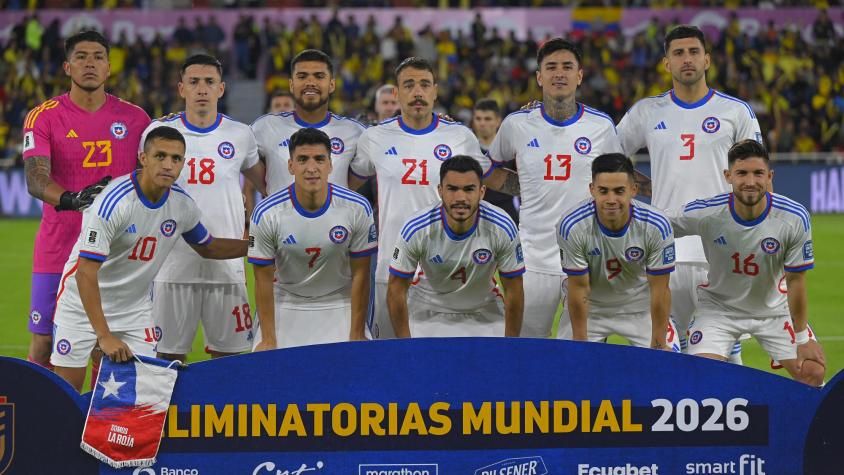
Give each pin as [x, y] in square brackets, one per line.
[16, 241]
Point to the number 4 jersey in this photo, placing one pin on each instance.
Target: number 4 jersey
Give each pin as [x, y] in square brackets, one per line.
[131, 237]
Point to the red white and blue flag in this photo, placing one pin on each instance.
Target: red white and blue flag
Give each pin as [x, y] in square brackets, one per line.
[127, 411]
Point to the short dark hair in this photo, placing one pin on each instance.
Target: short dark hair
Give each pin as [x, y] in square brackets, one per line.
[312, 55]
[684, 31]
[165, 133]
[415, 62]
[84, 35]
[309, 136]
[556, 44]
[747, 148]
[204, 60]
[488, 105]
[461, 164]
[612, 163]
[280, 93]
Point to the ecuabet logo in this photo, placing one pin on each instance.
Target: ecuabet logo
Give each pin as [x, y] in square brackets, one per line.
[119, 130]
[35, 316]
[521, 465]
[337, 146]
[168, 227]
[7, 434]
[711, 125]
[633, 254]
[583, 145]
[770, 245]
[338, 234]
[482, 256]
[696, 337]
[442, 152]
[226, 150]
[63, 347]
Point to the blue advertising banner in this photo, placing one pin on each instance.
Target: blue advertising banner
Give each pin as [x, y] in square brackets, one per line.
[458, 406]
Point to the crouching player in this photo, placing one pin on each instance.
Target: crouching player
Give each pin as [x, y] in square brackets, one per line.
[618, 254]
[752, 237]
[104, 294]
[459, 242]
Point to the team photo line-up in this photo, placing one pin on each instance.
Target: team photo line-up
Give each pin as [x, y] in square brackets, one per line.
[715, 257]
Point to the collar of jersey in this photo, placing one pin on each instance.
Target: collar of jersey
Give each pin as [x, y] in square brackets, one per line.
[693, 105]
[200, 130]
[752, 222]
[424, 131]
[614, 234]
[143, 198]
[577, 115]
[303, 123]
[451, 234]
[308, 214]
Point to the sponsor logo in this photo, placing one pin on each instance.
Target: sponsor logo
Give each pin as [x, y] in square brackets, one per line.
[284, 143]
[28, 141]
[696, 337]
[93, 236]
[391, 151]
[168, 227]
[132, 229]
[747, 464]
[63, 347]
[594, 252]
[522, 466]
[7, 433]
[626, 469]
[583, 145]
[119, 130]
[710, 125]
[436, 259]
[35, 316]
[165, 471]
[373, 233]
[290, 240]
[482, 256]
[721, 241]
[398, 469]
[338, 234]
[269, 467]
[71, 134]
[337, 146]
[633, 254]
[533, 143]
[668, 255]
[808, 252]
[252, 241]
[396, 253]
[226, 150]
[520, 255]
[442, 152]
[661, 126]
[770, 245]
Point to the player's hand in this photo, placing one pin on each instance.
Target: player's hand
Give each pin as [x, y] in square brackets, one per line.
[266, 345]
[531, 105]
[78, 201]
[811, 350]
[114, 348]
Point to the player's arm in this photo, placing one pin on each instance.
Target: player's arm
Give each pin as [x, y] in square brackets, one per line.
[256, 174]
[514, 305]
[361, 268]
[89, 293]
[797, 306]
[221, 248]
[38, 181]
[355, 182]
[266, 305]
[504, 180]
[397, 304]
[578, 300]
[660, 309]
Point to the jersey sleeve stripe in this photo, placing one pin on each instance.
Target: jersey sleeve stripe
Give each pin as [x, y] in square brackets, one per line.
[700, 204]
[575, 217]
[575, 271]
[350, 195]
[505, 217]
[511, 274]
[504, 220]
[110, 197]
[498, 222]
[33, 115]
[731, 98]
[654, 219]
[803, 217]
[268, 203]
[598, 113]
[574, 214]
[106, 213]
[808, 266]
[419, 226]
[662, 271]
[402, 274]
[364, 253]
[93, 256]
[260, 261]
[413, 222]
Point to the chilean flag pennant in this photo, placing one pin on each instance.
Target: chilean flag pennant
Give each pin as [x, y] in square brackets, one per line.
[127, 411]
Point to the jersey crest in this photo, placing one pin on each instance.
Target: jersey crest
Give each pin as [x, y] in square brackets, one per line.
[337, 145]
[168, 227]
[481, 256]
[583, 145]
[711, 125]
[633, 254]
[770, 245]
[226, 150]
[442, 152]
[119, 130]
[338, 234]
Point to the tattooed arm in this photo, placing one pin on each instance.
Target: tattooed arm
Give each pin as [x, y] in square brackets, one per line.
[38, 181]
[504, 180]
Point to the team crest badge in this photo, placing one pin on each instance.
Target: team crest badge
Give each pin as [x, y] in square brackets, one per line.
[7, 434]
[338, 234]
[35, 316]
[156, 333]
[711, 125]
[226, 150]
[696, 337]
[583, 145]
[63, 347]
[442, 152]
[337, 146]
[770, 245]
[633, 254]
[168, 227]
[482, 256]
[119, 130]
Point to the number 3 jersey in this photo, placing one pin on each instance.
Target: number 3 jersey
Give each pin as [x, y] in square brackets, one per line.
[214, 158]
[132, 237]
[311, 250]
[688, 146]
[616, 261]
[747, 258]
[554, 160]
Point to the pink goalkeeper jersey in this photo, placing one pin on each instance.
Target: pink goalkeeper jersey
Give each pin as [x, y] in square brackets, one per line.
[83, 147]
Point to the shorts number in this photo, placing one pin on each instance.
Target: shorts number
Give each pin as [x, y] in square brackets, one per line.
[314, 252]
[670, 331]
[613, 268]
[104, 147]
[206, 171]
[689, 414]
[149, 335]
[412, 163]
[749, 267]
[688, 141]
[246, 322]
[564, 162]
[459, 274]
[144, 249]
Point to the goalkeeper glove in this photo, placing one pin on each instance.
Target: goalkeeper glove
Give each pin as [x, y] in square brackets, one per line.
[78, 201]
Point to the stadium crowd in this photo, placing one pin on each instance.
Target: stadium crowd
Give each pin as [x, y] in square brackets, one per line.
[795, 86]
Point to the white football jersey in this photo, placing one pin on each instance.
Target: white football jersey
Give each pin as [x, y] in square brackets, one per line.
[214, 158]
[554, 162]
[459, 268]
[273, 133]
[616, 261]
[688, 146]
[311, 250]
[407, 164]
[747, 259]
[132, 238]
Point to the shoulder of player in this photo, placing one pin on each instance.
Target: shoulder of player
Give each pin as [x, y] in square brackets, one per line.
[728, 102]
[276, 201]
[126, 107]
[787, 209]
[421, 220]
[497, 219]
[652, 218]
[348, 122]
[113, 196]
[576, 218]
[342, 196]
[267, 119]
[594, 115]
[706, 206]
[44, 110]
[170, 120]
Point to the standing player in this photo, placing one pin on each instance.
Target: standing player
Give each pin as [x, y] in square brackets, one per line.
[386, 102]
[460, 243]
[312, 83]
[72, 145]
[405, 153]
[127, 234]
[320, 236]
[618, 254]
[553, 145]
[486, 118]
[751, 237]
[688, 131]
[190, 289]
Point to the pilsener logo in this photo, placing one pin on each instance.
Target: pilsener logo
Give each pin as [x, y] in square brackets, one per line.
[515, 466]
[398, 469]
